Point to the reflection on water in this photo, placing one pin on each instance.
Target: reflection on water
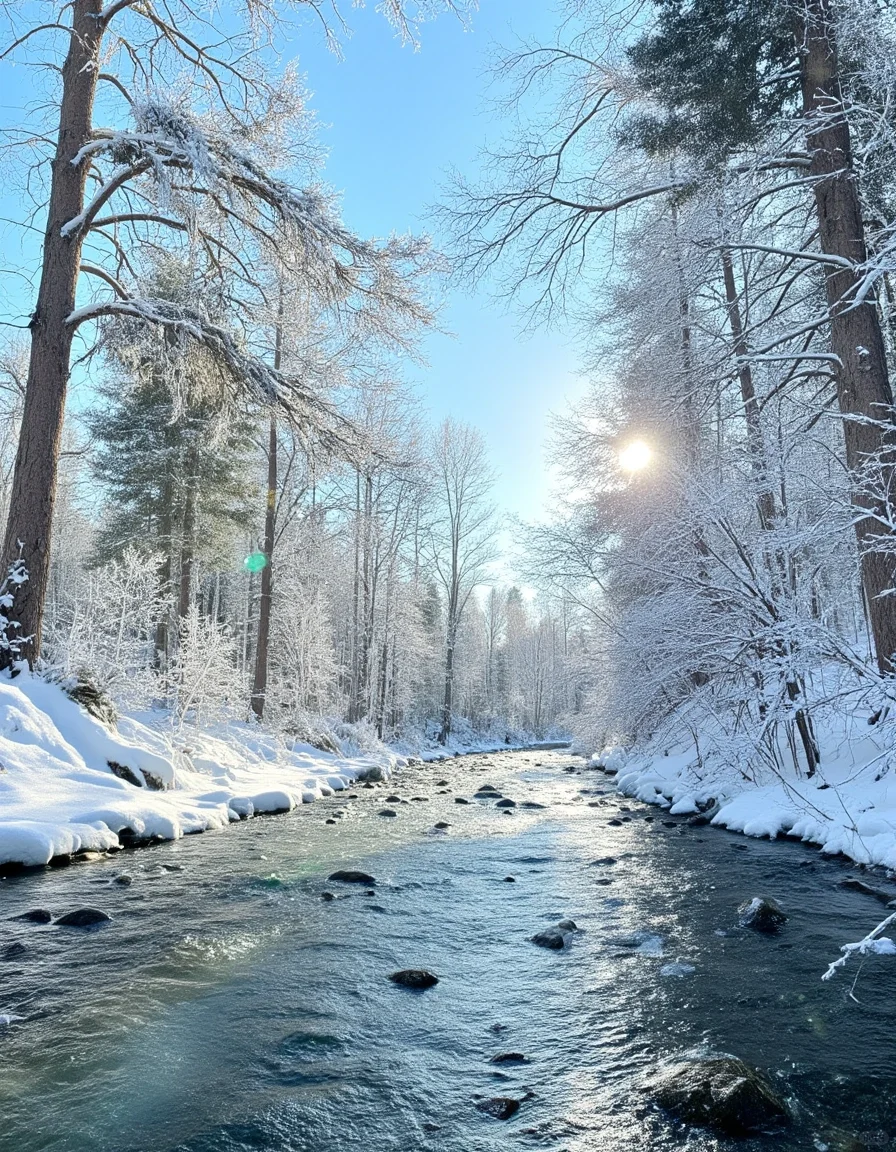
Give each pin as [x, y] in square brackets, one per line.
[230, 1006]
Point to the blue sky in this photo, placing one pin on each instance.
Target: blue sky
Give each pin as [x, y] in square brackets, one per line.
[394, 120]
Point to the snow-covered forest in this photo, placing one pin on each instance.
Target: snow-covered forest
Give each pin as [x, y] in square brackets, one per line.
[249, 512]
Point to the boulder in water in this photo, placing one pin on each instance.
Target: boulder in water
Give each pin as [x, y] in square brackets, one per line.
[506, 803]
[762, 914]
[552, 938]
[721, 1093]
[84, 918]
[461, 800]
[352, 876]
[417, 978]
[387, 812]
[35, 916]
[509, 1058]
[501, 1107]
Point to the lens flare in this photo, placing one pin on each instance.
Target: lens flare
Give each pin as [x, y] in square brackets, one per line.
[255, 561]
[635, 456]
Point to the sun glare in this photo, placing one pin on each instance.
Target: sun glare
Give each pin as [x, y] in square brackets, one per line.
[635, 456]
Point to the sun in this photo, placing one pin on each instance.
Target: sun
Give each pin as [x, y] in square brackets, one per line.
[635, 456]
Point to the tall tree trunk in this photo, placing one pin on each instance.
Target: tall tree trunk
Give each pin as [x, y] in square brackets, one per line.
[188, 539]
[263, 641]
[448, 695]
[262, 644]
[863, 385]
[33, 493]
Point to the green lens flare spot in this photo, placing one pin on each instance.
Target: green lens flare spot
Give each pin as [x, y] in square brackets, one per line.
[255, 561]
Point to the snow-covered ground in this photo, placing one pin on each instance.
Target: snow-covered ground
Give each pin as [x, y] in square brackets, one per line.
[59, 792]
[848, 806]
[69, 783]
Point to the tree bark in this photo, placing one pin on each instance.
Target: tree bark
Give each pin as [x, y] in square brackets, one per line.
[188, 539]
[35, 476]
[863, 385]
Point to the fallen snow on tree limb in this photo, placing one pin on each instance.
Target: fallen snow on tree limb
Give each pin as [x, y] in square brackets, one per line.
[60, 794]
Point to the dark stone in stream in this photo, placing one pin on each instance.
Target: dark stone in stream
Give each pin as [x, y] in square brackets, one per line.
[352, 876]
[649, 819]
[762, 914]
[721, 1093]
[614, 823]
[327, 896]
[442, 825]
[84, 918]
[856, 885]
[501, 1107]
[510, 879]
[329, 820]
[461, 800]
[670, 823]
[14, 951]
[553, 939]
[442, 783]
[123, 879]
[603, 860]
[387, 812]
[36, 916]
[419, 799]
[393, 799]
[509, 1058]
[506, 804]
[417, 978]
[532, 804]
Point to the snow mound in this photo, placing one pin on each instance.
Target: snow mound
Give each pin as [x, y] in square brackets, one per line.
[69, 784]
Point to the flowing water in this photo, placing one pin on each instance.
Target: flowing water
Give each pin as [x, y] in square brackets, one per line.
[229, 1006]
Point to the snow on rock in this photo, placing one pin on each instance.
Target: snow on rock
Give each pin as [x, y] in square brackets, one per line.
[59, 795]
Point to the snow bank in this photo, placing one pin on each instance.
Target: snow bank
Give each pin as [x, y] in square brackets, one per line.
[848, 806]
[69, 784]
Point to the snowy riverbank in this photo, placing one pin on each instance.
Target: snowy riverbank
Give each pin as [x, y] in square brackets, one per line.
[70, 784]
[848, 806]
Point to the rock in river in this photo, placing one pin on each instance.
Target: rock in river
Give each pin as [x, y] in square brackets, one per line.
[417, 978]
[552, 939]
[352, 876]
[509, 1058]
[36, 916]
[507, 803]
[501, 1107]
[721, 1093]
[461, 800]
[387, 812]
[762, 914]
[84, 918]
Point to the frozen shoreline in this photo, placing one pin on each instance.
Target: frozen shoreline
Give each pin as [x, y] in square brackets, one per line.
[848, 807]
[70, 785]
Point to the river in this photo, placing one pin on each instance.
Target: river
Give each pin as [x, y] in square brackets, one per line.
[230, 1006]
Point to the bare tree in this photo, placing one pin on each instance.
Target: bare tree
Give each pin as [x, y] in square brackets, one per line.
[462, 533]
[177, 169]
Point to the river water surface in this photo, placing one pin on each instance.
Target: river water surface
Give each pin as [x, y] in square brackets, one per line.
[230, 1007]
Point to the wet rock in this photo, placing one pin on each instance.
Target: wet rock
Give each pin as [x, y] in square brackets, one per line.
[501, 1107]
[442, 783]
[853, 884]
[123, 879]
[461, 800]
[393, 799]
[14, 951]
[83, 918]
[509, 1058]
[329, 820]
[417, 978]
[35, 916]
[603, 861]
[387, 812]
[603, 881]
[614, 823]
[532, 804]
[510, 879]
[352, 876]
[420, 799]
[721, 1093]
[328, 896]
[506, 804]
[762, 914]
[568, 926]
[442, 824]
[552, 938]
[498, 1028]
[670, 823]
